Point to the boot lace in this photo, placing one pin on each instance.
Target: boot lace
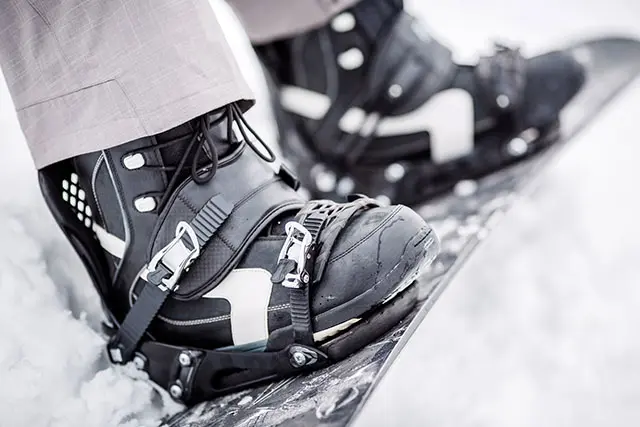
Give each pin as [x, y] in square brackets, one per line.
[201, 142]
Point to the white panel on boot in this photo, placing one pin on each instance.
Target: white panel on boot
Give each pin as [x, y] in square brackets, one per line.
[248, 291]
[110, 243]
[448, 117]
[304, 102]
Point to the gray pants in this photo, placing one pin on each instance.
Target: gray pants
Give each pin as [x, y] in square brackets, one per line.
[87, 75]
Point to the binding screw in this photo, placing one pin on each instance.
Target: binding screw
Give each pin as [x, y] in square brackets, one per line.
[395, 91]
[345, 186]
[503, 101]
[298, 359]
[394, 172]
[175, 391]
[517, 147]
[139, 362]
[184, 359]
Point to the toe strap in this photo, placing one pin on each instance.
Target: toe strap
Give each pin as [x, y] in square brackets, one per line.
[502, 78]
[330, 219]
[305, 253]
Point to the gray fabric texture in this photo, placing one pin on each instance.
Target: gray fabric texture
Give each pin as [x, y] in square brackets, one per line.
[87, 75]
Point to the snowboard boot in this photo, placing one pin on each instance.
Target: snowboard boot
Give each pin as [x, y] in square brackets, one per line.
[215, 274]
[372, 104]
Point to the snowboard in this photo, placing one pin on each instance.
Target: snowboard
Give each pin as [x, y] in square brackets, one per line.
[462, 219]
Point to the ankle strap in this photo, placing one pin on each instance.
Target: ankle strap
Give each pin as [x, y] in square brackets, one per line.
[257, 195]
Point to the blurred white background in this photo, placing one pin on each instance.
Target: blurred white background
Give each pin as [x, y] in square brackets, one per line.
[538, 329]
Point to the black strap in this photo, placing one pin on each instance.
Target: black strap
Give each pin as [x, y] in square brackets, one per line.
[194, 375]
[502, 74]
[123, 344]
[337, 217]
[323, 220]
[300, 298]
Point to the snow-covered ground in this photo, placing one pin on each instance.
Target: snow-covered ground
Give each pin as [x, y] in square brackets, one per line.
[538, 329]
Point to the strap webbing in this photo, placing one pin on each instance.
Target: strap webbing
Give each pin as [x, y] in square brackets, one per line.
[123, 344]
[300, 299]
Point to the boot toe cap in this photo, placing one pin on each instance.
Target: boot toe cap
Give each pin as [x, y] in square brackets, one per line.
[378, 252]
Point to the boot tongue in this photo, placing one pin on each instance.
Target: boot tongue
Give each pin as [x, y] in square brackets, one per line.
[172, 153]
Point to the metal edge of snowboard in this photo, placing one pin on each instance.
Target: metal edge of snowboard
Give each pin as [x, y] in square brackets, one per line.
[436, 284]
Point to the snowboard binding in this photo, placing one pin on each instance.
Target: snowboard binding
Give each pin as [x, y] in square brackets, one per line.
[386, 111]
[213, 272]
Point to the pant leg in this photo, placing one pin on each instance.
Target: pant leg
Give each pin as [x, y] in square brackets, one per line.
[267, 20]
[86, 75]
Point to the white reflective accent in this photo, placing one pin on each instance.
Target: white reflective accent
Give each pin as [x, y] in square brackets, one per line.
[351, 121]
[110, 243]
[65, 184]
[80, 216]
[343, 22]
[345, 186]
[133, 161]
[305, 103]
[517, 147]
[74, 190]
[65, 196]
[88, 211]
[325, 180]
[74, 178]
[145, 204]
[503, 101]
[72, 201]
[530, 135]
[394, 172]
[465, 188]
[80, 205]
[448, 141]
[248, 291]
[351, 59]
[87, 222]
[395, 91]
[81, 194]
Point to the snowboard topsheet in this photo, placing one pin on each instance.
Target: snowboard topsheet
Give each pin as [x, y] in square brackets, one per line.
[333, 396]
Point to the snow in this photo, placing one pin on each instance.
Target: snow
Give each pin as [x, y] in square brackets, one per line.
[538, 329]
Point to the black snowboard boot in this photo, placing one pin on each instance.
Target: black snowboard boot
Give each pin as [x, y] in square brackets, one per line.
[372, 104]
[215, 274]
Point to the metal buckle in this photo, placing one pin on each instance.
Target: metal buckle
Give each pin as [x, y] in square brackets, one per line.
[175, 257]
[296, 248]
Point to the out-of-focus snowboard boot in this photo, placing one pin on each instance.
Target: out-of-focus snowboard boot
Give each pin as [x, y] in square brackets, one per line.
[215, 274]
[372, 104]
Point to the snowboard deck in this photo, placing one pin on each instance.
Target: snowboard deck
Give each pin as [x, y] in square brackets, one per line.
[462, 219]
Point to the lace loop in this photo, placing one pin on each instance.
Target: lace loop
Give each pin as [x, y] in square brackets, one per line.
[201, 141]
